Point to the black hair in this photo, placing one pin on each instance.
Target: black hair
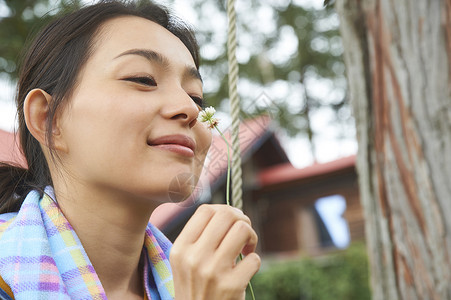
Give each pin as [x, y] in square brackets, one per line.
[52, 63]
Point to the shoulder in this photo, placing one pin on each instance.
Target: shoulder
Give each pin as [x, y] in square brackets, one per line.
[5, 221]
[7, 217]
[5, 291]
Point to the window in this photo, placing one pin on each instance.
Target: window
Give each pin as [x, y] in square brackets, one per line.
[330, 210]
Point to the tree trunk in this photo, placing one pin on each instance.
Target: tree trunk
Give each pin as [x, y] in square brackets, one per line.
[397, 54]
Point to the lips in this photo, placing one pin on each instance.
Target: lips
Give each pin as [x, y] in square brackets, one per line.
[178, 143]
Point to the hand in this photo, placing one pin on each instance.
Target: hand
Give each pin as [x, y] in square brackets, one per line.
[203, 258]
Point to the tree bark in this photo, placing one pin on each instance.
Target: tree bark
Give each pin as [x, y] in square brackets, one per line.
[397, 55]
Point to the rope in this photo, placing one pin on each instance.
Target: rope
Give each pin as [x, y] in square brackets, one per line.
[237, 194]
[237, 181]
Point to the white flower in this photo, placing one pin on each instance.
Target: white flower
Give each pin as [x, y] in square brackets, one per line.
[206, 116]
[210, 111]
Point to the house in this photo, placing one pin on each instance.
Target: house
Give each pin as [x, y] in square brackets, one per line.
[279, 198]
[284, 205]
[9, 148]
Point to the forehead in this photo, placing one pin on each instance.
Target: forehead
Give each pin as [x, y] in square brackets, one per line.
[129, 32]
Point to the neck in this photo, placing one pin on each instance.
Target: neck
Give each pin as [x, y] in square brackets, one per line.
[111, 228]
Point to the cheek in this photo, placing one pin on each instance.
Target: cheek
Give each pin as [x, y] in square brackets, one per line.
[96, 130]
[85, 124]
[204, 138]
[104, 115]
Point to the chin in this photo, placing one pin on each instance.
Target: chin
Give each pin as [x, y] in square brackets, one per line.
[165, 188]
[181, 187]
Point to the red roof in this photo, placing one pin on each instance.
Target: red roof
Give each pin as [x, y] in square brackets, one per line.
[287, 172]
[216, 162]
[9, 148]
[215, 165]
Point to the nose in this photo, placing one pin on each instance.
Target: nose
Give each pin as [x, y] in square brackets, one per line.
[180, 107]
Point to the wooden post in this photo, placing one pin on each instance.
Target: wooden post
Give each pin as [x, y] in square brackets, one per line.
[397, 55]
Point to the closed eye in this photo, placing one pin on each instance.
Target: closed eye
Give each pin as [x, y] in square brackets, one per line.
[199, 101]
[143, 80]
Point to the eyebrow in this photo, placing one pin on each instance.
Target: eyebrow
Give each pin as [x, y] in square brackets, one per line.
[162, 60]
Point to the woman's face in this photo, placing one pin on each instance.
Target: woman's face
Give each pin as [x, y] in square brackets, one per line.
[131, 126]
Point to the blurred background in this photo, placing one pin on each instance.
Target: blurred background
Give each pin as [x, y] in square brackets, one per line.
[297, 134]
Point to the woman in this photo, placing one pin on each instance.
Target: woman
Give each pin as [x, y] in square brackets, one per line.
[108, 98]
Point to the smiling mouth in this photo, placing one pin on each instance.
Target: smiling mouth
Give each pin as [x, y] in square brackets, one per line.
[179, 144]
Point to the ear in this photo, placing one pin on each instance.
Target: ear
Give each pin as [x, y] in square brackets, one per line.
[36, 110]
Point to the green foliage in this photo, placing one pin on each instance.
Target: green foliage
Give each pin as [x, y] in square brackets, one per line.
[317, 57]
[20, 20]
[343, 275]
[316, 54]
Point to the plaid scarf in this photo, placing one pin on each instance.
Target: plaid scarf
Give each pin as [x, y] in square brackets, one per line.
[41, 256]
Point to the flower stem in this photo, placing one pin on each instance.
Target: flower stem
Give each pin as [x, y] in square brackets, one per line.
[228, 166]
[228, 192]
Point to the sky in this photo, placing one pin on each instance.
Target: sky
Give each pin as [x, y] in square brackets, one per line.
[7, 105]
[328, 144]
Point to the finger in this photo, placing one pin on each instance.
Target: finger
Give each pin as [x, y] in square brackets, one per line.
[241, 237]
[247, 268]
[219, 226]
[196, 224]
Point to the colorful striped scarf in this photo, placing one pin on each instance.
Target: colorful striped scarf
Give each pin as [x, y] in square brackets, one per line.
[41, 256]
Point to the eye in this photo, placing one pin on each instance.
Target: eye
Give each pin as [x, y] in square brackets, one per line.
[143, 80]
[199, 101]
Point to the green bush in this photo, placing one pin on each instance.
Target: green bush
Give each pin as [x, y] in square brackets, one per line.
[343, 275]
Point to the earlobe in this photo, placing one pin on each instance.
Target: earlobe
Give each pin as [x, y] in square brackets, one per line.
[36, 113]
